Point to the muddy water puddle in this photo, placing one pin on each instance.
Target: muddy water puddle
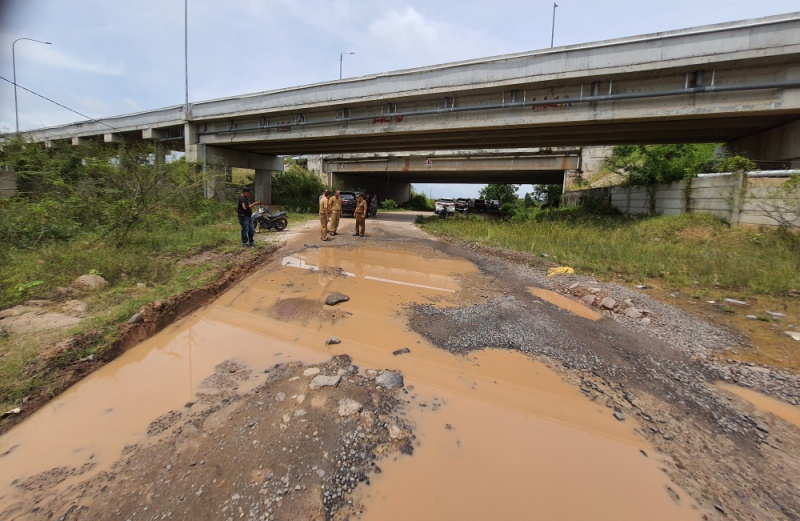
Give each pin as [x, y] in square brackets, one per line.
[500, 435]
[764, 403]
[95, 419]
[566, 303]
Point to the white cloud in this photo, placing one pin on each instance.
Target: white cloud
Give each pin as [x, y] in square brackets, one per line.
[57, 58]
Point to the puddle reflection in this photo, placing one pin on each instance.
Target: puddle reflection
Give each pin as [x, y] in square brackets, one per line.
[390, 266]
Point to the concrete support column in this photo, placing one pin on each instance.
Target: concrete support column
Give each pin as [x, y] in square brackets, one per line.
[8, 183]
[216, 159]
[214, 182]
[262, 190]
[737, 192]
[190, 134]
[118, 138]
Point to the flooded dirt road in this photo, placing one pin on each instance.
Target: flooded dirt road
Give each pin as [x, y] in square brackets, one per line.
[517, 403]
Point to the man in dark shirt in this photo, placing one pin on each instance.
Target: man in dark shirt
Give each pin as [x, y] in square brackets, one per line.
[244, 209]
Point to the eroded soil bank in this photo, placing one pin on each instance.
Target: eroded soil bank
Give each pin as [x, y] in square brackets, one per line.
[569, 418]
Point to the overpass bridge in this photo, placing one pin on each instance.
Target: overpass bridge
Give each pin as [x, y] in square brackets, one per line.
[390, 174]
[737, 83]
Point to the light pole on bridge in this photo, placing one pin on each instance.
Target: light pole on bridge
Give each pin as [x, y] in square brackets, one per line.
[14, 66]
[341, 55]
[553, 30]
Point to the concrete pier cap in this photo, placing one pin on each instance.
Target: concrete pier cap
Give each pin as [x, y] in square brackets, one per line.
[263, 165]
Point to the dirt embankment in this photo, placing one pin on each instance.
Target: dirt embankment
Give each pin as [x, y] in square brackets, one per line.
[63, 363]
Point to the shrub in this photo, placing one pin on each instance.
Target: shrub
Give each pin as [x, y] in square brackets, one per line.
[389, 204]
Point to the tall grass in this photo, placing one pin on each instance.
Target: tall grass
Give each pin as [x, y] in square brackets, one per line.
[686, 250]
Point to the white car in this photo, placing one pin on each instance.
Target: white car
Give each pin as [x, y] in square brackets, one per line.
[448, 205]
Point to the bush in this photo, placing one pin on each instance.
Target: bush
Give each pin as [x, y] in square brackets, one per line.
[735, 164]
[296, 187]
[389, 204]
[420, 202]
[644, 165]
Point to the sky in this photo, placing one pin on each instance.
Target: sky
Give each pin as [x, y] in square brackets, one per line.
[112, 57]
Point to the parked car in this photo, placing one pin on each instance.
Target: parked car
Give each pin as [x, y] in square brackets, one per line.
[348, 203]
[444, 205]
[464, 205]
[494, 204]
[480, 205]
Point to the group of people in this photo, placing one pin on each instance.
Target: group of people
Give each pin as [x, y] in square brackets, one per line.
[330, 211]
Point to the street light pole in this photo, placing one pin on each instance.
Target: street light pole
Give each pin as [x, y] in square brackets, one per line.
[14, 66]
[186, 52]
[553, 31]
[341, 55]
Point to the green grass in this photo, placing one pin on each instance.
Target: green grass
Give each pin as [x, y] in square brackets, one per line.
[683, 251]
[147, 267]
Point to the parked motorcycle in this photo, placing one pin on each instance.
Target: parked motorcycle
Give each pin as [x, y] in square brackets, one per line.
[263, 220]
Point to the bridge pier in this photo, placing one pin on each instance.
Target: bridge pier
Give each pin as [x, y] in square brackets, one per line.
[776, 144]
[399, 191]
[263, 165]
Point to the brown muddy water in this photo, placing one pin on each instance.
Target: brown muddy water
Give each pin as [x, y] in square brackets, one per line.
[764, 403]
[500, 435]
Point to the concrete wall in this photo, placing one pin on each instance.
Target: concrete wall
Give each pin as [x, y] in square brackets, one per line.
[740, 199]
[8, 183]
[400, 192]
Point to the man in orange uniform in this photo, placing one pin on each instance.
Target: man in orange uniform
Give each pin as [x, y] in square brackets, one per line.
[360, 215]
[336, 212]
[324, 213]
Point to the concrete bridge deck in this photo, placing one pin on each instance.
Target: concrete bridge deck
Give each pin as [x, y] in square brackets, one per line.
[714, 83]
[737, 83]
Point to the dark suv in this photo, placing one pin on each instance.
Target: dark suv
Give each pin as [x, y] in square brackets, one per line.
[348, 203]
[463, 205]
[480, 205]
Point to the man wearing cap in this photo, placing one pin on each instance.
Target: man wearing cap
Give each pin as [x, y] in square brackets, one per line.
[336, 212]
[324, 213]
[244, 209]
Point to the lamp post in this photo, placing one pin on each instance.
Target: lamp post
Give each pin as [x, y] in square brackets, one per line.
[553, 30]
[14, 66]
[341, 55]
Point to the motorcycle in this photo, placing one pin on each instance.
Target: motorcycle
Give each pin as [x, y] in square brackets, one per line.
[263, 220]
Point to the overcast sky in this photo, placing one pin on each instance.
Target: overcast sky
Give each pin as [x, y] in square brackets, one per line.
[111, 57]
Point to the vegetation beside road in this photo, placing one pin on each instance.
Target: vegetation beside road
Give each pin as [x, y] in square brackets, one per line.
[143, 225]
[689, 260]
[691, 250]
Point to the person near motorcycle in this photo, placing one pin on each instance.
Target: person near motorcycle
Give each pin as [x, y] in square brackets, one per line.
[360, 215]
[244, 210]
[324, 214]
[336, 212]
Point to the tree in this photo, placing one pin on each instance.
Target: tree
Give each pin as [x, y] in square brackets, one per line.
[502, 193]
[644, 165]
[296, 187]
[549, 195]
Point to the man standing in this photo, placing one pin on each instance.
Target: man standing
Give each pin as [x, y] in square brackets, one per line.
[244, 209]
[336, 212]
[360, 215]
[324, 213]
[373, 206]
